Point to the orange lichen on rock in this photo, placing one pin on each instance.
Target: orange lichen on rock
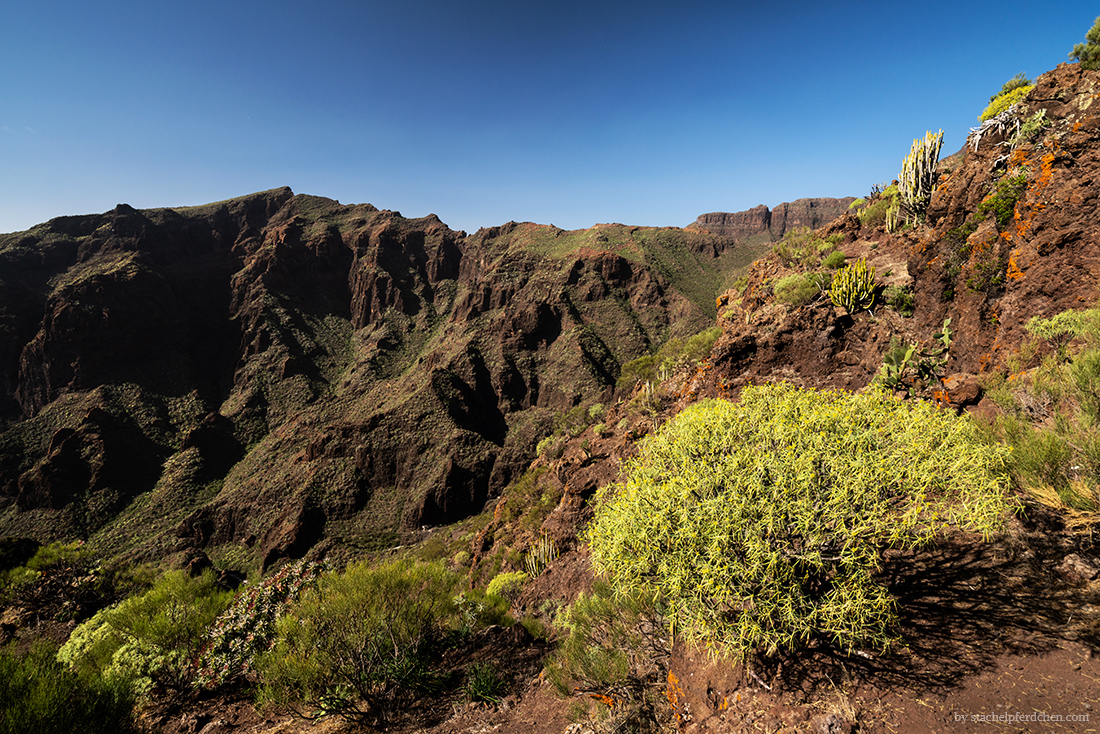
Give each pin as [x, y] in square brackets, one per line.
[1013, 272]
[1046, 171]
[674, 694]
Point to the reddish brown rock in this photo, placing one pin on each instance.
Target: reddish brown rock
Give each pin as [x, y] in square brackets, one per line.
[760, 220]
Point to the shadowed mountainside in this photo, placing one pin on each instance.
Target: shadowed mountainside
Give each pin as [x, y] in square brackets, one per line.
[278, 370]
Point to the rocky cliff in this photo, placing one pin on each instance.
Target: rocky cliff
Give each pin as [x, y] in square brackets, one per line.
[773, 223]
[276, 371]
[1012, 231]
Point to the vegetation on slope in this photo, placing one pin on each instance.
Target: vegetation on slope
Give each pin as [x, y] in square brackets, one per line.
[759, 524]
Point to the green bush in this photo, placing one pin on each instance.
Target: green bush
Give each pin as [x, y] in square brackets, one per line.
[41, 695]
[913, 367]
[1089, 53]
[361, 643]
[47, 557]
[795, 289]
[476, 609]
[875, 213]
[1001, 203]
[1030, 129]
[901, 299]
[615, 646]
[507, 585]
[801, 248]
[1052, 415]
[673, 355]
[833, 260]
[150, 639]
[760, 525]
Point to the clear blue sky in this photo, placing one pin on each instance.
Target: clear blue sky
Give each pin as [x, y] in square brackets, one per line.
[484, 111]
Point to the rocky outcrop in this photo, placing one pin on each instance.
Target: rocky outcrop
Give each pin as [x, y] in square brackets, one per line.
[773, 223]
[988, 275]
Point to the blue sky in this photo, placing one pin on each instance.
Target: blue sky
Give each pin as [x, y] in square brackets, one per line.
[483, 111]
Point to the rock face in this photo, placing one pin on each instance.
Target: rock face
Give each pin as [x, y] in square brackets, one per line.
[773, 223]
[988, 275]
[277, 371]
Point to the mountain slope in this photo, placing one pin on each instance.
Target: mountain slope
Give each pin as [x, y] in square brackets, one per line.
[278, 370]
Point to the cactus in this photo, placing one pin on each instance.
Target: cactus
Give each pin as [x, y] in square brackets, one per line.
[918, 176]
[541, 553]
[854, 287]
[906, 366]
[893, 217]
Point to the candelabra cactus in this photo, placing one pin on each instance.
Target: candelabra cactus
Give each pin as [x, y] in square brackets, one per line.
[918, 176]
[539, 556]
[854, 286]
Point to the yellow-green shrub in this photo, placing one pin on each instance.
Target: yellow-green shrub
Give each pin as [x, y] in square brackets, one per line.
[759, 525]
[507, 585]
[615, 646]
[151, 638]
[1002, 102]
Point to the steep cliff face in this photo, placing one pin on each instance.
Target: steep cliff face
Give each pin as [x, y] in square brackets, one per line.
[278, 370]
[773, 223]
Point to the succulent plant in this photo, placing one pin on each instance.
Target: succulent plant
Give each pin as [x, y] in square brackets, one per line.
[918, 176]
[854, 286]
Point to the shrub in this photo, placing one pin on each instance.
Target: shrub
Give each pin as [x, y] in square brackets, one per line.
[673, 355]
[1003, 101]
[1089, 53]
[507, 585]
[1001, 203]
[833, 260]
[1030, 129]
[1016, 82]
[45, 558]
[362, 642]
[911, 367]
[901, 299]
[476, 609]
[853, 287]
[149, 639]
[879, 207]
[247, 628]
[795, 289]
[615, 648]
[1052, 418]
[801, 248]
[40, 694]
[760, 525]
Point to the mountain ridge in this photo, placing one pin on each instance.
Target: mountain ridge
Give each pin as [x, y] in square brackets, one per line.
[208, 335]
